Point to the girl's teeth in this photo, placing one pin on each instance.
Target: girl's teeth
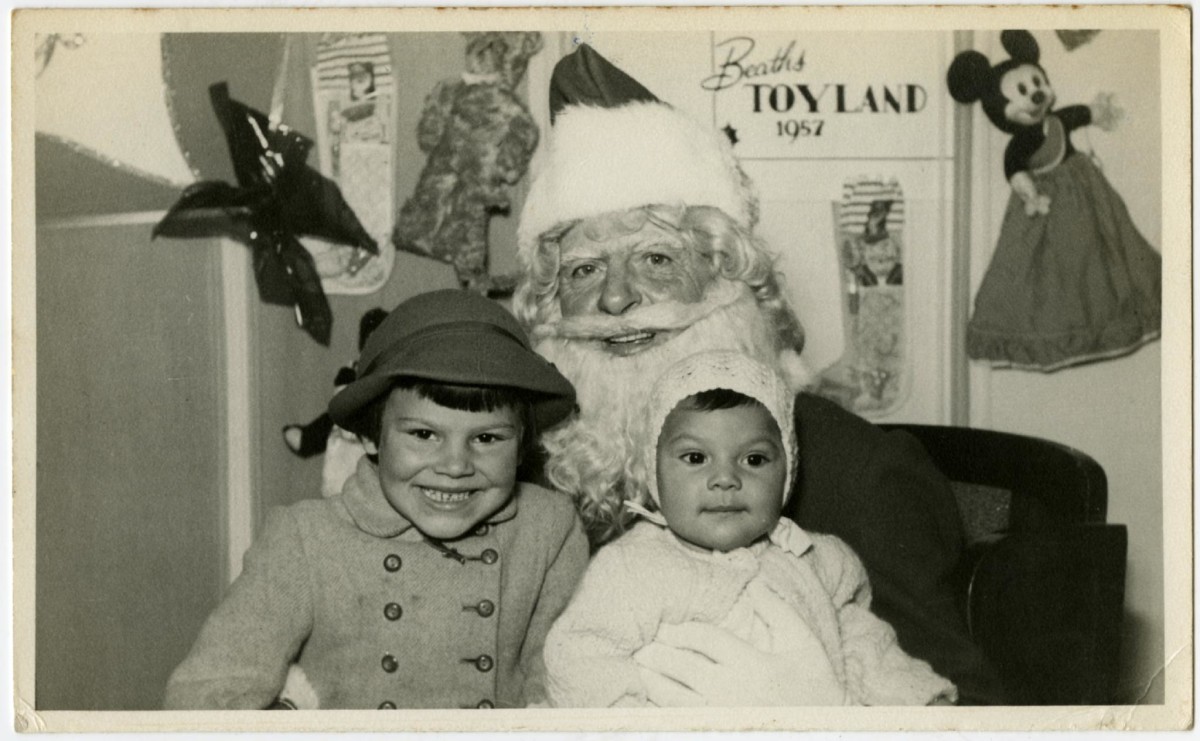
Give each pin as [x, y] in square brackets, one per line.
[446, 497]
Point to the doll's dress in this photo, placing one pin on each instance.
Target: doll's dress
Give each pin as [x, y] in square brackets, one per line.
[1075, 285]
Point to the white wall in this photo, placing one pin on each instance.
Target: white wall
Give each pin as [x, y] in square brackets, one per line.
[1112, 409]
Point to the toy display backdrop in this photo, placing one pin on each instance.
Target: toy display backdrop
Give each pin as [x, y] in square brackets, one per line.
[817, 122]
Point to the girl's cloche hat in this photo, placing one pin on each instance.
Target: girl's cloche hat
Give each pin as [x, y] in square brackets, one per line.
[457, 337]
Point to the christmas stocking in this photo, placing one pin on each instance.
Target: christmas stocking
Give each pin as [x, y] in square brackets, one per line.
[354, 94]
[871, 375]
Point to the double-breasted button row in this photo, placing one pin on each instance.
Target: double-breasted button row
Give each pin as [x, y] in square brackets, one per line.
[392, 562]
[484, 608]
[483, 662]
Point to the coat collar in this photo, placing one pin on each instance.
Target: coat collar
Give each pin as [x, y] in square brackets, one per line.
[374, 515]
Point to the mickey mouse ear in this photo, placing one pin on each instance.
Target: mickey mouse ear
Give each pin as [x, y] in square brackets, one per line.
[967, 76]
[583, 77]
[1020, 45]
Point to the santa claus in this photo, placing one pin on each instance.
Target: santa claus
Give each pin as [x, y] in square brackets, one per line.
[637, 246]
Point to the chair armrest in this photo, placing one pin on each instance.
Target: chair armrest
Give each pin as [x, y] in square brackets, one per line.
[1046, 606]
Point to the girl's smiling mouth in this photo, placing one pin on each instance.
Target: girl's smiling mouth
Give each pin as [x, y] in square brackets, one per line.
[445, 496]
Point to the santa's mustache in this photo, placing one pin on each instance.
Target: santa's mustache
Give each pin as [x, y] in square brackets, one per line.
[662, 316]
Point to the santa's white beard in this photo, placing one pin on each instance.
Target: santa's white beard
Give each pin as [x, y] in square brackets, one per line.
[591, 457]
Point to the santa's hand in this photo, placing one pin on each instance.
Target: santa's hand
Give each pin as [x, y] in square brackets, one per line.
[1106, 114]
[700, 664]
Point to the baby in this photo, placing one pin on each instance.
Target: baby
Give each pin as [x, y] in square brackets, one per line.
[717, 457]
[431, 581]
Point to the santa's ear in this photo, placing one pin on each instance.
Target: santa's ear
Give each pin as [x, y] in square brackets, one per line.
[1021, 46]
[967, 76]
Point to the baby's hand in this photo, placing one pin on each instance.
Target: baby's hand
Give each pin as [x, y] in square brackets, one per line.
[700, 664]
[1106, 114]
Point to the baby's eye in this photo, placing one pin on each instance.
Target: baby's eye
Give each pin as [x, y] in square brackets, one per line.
[754, 460]
[693, 458]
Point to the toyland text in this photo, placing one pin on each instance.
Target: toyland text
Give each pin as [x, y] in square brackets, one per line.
[801, 109]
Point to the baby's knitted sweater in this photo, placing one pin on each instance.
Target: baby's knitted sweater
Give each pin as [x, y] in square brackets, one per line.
[648, 577]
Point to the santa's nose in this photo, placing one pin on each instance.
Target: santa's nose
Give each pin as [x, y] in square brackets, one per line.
[619, 294]
[1038, 97]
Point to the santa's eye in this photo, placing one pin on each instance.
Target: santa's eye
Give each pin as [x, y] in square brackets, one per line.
[582, 270]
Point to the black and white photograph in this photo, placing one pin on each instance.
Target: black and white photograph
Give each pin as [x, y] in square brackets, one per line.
[602, 369]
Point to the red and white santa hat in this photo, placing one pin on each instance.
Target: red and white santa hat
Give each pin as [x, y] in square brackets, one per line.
[613, 146]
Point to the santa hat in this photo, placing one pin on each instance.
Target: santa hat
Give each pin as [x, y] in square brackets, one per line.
[707, 371]
[614, 146]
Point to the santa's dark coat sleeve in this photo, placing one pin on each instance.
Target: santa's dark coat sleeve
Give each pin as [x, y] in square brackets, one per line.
[881, 494]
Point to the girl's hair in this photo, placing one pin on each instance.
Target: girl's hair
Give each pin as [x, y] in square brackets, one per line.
[735, 252]
[464, 398]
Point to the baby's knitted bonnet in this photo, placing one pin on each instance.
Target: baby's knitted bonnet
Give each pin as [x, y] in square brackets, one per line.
[716, 370]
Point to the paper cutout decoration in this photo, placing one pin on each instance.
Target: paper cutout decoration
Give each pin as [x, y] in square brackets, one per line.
[480, 138]
[277, 198]
[1072, 40]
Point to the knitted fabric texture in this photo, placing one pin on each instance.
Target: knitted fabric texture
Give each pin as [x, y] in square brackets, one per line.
[717, 370]
[598, 160]
[620, 605]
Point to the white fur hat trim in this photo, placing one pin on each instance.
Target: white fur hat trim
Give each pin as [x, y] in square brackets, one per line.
[718, 370]
[599, 160]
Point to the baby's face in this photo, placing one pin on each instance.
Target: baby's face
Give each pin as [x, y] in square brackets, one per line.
[446, 470]
[721, 475]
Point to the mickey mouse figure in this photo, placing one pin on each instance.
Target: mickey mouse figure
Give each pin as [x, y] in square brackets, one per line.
[1018, 98]
[1072, 279]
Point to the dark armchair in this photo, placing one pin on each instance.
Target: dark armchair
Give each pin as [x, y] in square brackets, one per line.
[1043, 579]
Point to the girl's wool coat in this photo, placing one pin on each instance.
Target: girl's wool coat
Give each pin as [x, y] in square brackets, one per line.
[376, 616]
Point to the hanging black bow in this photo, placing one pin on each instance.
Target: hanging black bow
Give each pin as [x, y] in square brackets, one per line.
[277, 198]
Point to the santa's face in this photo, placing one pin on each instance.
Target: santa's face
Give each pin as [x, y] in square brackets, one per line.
[612, 267]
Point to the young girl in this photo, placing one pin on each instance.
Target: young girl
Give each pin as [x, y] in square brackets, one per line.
[431, 581]
[717, 457]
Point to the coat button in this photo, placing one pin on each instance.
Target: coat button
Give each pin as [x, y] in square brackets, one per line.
[485, 608]
[481, 530]
[387, 705]
[486, 704]
[489, 557]
[392, 562]
[392, 611]
[483, 662]
[389, 663]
